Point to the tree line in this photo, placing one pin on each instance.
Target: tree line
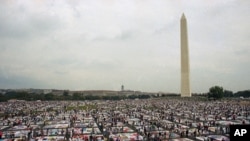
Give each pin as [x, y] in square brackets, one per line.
[215, 93]
[65, 96]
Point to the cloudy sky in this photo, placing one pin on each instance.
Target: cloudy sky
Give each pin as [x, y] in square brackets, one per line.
[102, 44]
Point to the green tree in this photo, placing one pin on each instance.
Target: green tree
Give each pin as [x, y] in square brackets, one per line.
[2, 98]
[77, 96]
[65, 93]
[132, 96]
[228, 93]
[245, 93]
[215, 93]
[49, 96]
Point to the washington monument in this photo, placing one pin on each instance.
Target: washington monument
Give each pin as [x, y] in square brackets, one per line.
[185, 82]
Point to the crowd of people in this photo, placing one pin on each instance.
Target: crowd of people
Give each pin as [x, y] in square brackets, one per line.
[125, 120]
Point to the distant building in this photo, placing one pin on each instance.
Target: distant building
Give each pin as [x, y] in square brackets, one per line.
[94, 92]
[15, 100]
[57, 92]
[122, 88]
[36, 91]
[46, 91]
[2, 91]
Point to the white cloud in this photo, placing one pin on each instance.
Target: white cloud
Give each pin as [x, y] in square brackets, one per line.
[103, 44]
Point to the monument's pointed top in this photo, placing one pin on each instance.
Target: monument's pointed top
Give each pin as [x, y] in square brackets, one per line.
[183, 16]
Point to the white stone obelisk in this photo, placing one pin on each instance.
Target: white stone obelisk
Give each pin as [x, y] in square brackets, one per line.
[185, 73]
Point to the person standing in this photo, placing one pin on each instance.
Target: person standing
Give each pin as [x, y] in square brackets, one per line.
[187, 133]
[195, 133]
[1, 134]
[67, 135]
[91, 137]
